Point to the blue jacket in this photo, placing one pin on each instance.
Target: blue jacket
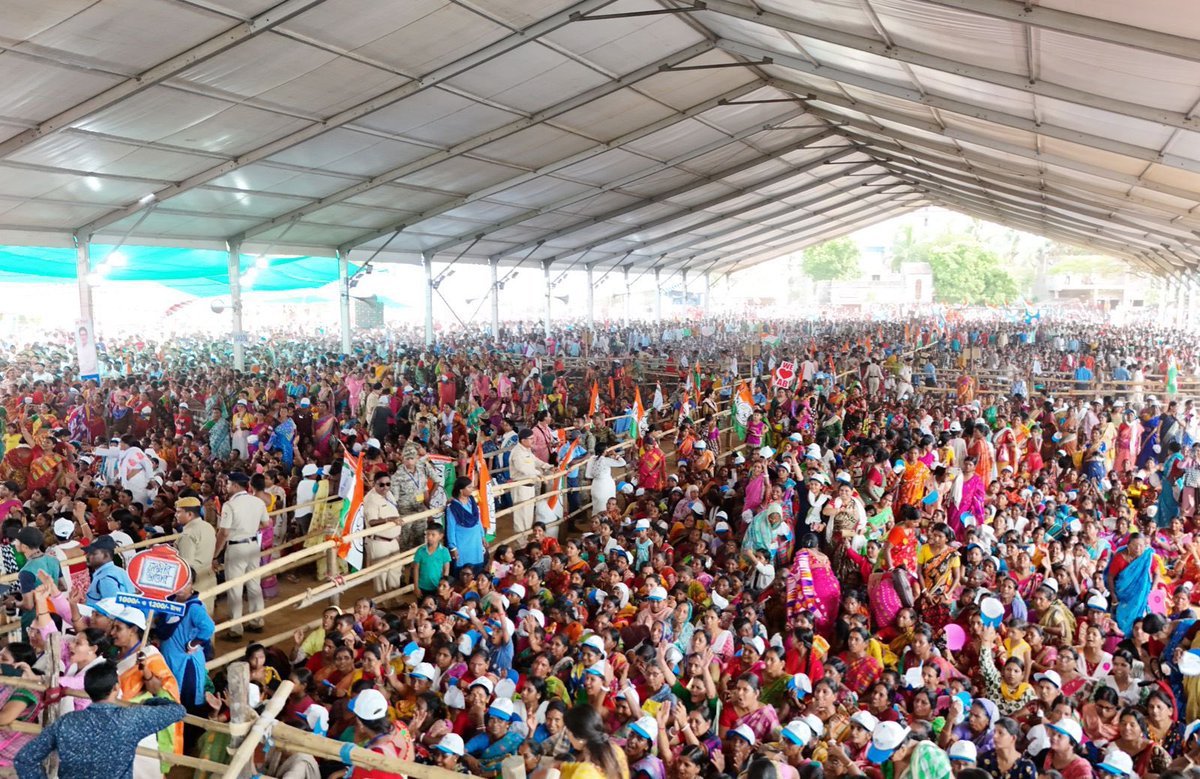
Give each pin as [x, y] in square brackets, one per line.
[188, 668]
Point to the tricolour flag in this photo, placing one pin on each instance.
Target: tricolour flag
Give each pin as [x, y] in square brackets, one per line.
[639, 414]
[743, 407]
[350, 489]
[594, 401]
[483, 495]
[685, 407]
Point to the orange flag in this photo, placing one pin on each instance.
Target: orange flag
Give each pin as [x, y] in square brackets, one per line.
[594, 402]
[484, 495]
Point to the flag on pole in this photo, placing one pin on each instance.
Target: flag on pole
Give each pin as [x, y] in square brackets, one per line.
[564, 466]
[659, 401]
[696, 380]
[350, 489]
[685, 406]
[639, 414]
[594, 402]
[743, 407]
[483, 496]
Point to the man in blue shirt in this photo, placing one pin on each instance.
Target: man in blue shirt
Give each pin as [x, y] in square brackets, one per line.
[1083, 377]
[107, 579]
[100, 741]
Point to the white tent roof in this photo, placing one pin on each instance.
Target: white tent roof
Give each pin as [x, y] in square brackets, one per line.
[650, 133]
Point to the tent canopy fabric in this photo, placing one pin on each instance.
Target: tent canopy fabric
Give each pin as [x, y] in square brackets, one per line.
[669, 134]
[199, 272]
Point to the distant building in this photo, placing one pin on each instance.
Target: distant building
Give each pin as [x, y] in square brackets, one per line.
[1095, 282]
[879, 285]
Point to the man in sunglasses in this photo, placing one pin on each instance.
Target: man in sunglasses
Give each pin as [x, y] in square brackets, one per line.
[378, 509]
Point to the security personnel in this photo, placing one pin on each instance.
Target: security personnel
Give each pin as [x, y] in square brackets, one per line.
[242, 519]
[197, 546]
[378, 509]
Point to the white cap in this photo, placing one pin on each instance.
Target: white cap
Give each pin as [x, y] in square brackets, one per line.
[756, 642]
[305, 402]
[700, 445]
[721, 527]
[718, 600]
[596, 643]
[1097, 602]
[766, 453]
[309, 470]
[642, 524]
[1069, 728]
[1050, 584]
[1116, 762]
[369, 705]
[373, 443]
[501, 708]
[797, 732]
[183, 404]
[131, 616]
[964, 751]
[800, 684]
[424, 671]
[657, 594]
[63, 527]
[886, 738]
[843, 477]
[814, 724]
[865, 720]
[506, 688]
[743, 732]
[516, 589]
[485, 683]
[317, 717]
[1049, 676]
[647, 728]
[451, 744]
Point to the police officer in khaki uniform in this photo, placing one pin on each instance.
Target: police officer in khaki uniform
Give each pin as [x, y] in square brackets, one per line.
[197, 546]
[378, 509]
[242, 519]
[522, 465]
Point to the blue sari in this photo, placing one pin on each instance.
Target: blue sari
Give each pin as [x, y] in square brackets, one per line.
[1132, 591]
[1168, 507]
[281, 440]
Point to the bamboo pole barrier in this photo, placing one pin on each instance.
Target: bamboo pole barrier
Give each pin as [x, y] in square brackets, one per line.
[262, 725]
[297, 740]
[186, 761]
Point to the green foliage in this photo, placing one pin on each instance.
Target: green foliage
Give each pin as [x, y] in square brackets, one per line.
[966, 272]
[837, 259]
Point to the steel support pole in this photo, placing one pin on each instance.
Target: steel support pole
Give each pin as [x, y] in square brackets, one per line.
[1180, 299]
[683, 276]
[427, 261]
[235, 304]
[657, 295]
[344, 299]
[83, 269]
[495, 266]
[549, 292]
[707, 291]
[591, 299]
[1161, 284]
[628, 295]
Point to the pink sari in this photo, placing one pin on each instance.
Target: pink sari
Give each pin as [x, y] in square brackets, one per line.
[973, 502]
[813, 586]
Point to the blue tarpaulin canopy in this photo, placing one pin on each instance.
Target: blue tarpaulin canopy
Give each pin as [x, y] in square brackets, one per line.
[199, 272]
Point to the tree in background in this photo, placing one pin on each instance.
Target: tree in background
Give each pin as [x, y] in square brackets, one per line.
[836, 259]
[965, 271]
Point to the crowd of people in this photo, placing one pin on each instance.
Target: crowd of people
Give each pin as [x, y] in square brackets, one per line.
[894, 549]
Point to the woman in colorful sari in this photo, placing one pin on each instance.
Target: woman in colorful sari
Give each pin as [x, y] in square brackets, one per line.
[760, 534]
[973, 500]
[219, 442]
[941, 572]
[862, 668]
[746, 708]
[1148, 440]
[812, 586]
[899, 554]
[916, 478]
[323, 434]
[284, 438]
[17, 704]
[965, 389]
[1131, 579]
[1172, 471]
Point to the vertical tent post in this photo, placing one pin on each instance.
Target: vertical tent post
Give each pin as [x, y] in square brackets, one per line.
[344, 298]
[707, 291]
[83, 268]
[235, 304]
[1161, 285]
[1180, 300]
[549, 288]
[657, 295]
[494, 262]
[683, 277]
[628, 295]
[591, 299]
[427, 261]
